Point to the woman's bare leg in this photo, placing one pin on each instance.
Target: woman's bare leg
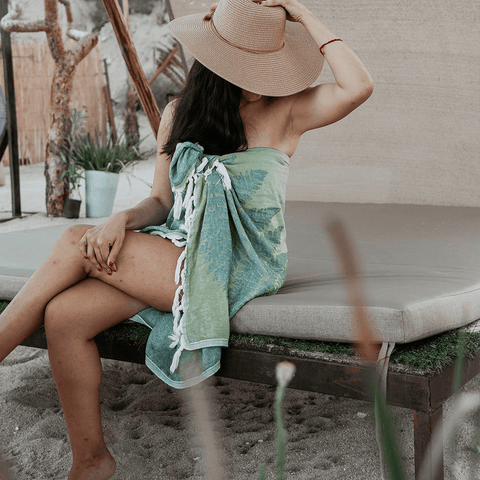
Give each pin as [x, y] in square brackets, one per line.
[72, 319]
[24, 314]
[145, 270]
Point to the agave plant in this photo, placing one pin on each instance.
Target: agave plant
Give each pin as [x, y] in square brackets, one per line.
[106, 156]
[73, 173]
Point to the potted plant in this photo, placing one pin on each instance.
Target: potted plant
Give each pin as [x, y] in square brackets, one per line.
[71, 206]
[102, 162]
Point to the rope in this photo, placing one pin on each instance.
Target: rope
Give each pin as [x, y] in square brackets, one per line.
[381, 370]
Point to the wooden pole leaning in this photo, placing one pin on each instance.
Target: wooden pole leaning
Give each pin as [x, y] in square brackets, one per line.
[11, 134]
[133, 64]
[162, 67]
[108, 100]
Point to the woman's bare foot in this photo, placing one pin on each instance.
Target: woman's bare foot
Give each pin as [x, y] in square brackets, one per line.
[98, 469]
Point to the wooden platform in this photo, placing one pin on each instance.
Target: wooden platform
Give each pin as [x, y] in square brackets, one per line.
[422, 394]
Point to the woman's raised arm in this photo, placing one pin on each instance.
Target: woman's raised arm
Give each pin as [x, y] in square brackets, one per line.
[324, 104]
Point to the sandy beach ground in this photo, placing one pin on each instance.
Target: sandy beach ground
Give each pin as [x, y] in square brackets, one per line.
[148, 426]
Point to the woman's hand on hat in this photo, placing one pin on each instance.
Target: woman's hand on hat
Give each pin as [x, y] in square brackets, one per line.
[295, 10]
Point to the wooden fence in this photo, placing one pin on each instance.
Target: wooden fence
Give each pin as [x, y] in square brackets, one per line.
[33, 70]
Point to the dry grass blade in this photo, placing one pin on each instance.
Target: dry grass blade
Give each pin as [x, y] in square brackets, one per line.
[465, 404]
[366, 344]
[199, 404]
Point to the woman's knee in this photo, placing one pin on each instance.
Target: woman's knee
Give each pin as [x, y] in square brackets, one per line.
[57, 320]
[66, 249]
[73, 234]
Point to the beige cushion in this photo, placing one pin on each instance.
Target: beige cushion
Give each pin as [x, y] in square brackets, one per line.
[420, 270]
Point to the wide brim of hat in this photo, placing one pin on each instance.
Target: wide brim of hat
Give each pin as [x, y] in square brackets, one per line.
[285, 72]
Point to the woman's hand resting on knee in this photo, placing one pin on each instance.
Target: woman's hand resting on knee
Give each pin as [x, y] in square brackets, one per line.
[101, 244]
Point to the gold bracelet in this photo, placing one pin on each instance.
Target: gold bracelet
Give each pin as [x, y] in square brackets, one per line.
[325, 44]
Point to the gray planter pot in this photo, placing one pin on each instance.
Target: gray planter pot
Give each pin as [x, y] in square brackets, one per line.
[100, 190]
[71, 208]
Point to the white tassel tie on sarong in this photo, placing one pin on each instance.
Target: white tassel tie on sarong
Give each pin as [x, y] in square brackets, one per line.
[188, 203]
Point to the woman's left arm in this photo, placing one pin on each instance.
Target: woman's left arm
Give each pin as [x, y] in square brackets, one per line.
[324, 104]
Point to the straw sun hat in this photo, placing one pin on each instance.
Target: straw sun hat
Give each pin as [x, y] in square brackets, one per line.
[253, 47]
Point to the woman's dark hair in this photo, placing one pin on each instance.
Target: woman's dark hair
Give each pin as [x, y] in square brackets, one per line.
[207, 113]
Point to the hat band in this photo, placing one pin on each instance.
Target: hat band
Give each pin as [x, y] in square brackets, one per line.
[248, 50]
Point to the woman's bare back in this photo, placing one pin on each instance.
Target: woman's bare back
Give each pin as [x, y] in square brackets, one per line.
[267, 123]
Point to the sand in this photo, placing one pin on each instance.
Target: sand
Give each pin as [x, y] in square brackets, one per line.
[149, 430]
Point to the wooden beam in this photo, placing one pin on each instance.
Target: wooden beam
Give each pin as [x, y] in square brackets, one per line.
[133, 64]
[126, 13]
[111, 118]
[164, 65]
[108, 99]
[3, 142]
[171, 17]
[11, 125]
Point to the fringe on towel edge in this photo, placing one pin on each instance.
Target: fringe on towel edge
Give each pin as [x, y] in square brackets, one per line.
[189, 204]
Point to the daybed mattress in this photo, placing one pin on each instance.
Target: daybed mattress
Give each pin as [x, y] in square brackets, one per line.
[420, 271]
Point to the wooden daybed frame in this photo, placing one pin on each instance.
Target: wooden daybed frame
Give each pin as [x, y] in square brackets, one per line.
[423, 394]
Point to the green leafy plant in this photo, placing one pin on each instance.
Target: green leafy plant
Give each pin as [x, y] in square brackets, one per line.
[73, 173]
[106, 156]
[83, 152]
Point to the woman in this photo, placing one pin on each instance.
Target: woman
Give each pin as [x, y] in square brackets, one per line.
[254, 108]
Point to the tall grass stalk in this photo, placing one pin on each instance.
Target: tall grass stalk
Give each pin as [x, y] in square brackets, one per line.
[285, 371]
[463, 406]
[199, 401]
[389, 445]
[366, 347]
[281, 437]
[461, 345]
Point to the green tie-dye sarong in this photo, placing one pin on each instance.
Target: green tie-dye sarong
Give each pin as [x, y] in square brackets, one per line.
[229, 215]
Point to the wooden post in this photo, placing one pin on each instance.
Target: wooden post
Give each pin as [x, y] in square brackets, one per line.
[133, 64]
[162, 67]
[171, 16]
[11, 127]
[424, 423]
[108, 97]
